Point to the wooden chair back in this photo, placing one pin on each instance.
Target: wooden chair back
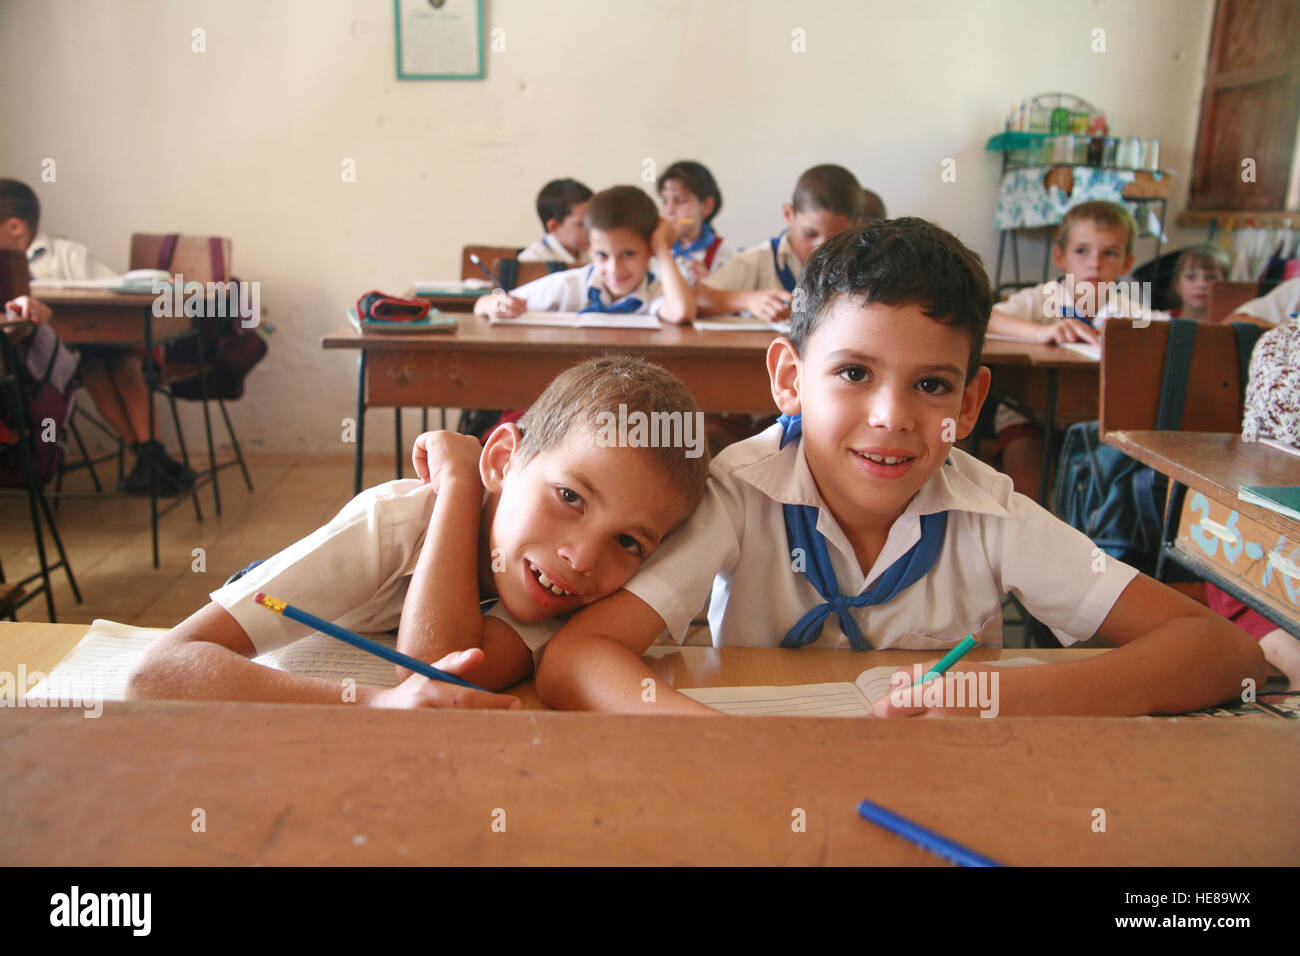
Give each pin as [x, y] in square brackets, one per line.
[1226, 297]
[191, 258]
[1132, 369]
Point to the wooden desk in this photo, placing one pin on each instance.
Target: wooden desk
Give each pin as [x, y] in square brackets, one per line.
[502, 366]
[100, 317]
[291, 785]
[1213, 466]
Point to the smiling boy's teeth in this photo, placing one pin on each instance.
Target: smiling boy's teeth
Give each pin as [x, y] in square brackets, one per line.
[547, 582]
[883, 459]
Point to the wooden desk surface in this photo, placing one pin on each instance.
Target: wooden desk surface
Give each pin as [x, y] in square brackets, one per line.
[100, 317]
[287, 785]
[1218, 464]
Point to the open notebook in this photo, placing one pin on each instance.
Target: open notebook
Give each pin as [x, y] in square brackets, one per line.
[101, 661]
[581, 320]
[840, 699]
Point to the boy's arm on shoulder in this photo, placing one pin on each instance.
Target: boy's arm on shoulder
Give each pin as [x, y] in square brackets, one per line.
[594, 662]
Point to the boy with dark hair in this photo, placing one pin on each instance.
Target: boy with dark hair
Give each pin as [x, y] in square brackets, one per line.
[546, 518]
[561, 206]
[113, 376]
[855, 522]
[626, 235]
[827, 200]
[690, 199]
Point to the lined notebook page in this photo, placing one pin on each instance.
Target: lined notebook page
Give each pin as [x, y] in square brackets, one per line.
[102, 660]
[583, 320]
[840, 699]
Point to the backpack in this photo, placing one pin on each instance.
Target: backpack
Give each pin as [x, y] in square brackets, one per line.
[1113, 499]
[45, 369]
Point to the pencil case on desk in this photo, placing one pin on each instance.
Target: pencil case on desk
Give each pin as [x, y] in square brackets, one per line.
[378, 306]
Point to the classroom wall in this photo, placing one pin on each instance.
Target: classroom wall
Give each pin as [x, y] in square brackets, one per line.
[248, 138]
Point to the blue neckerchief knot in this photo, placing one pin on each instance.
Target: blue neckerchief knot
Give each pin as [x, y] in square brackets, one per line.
[595, 303]
[788, 279]
[702, 242]
[804, 539]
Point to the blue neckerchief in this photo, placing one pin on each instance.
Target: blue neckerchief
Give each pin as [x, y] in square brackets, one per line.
[626, 306]
[702, 242]
[788, 278]
[801, 532]
[1068, 312]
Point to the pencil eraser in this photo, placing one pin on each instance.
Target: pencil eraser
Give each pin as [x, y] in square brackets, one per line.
[260, 598]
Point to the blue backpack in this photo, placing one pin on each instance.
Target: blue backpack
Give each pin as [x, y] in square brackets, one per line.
[1114, 499]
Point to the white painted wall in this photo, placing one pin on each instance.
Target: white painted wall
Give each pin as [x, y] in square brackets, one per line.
[247, 139]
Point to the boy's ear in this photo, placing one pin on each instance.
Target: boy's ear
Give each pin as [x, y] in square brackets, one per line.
[1058, 257]
[972, 400]
[707, 205]
[787, 210]
[783, 370]
[498, 452]
[552, 225]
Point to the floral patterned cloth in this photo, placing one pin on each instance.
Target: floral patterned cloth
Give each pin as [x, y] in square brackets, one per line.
[1023, 202]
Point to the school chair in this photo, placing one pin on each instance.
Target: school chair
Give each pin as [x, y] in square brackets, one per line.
[1227, 297]
[199, 259]
[14, 595]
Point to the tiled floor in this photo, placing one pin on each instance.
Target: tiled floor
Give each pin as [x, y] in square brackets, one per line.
[107, 540]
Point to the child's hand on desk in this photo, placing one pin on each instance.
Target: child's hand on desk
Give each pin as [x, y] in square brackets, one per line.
[1068, 330]
[500, 305]
[25, 307]
[981, 698]
[770, 305]
[437, 455]
[419, 691]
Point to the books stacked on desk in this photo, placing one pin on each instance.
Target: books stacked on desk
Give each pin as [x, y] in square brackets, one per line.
[435, 321]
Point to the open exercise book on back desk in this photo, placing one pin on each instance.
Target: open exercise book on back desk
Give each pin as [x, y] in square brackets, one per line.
[580, 320]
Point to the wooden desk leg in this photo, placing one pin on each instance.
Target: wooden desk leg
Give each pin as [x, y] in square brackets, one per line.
[153, 470]
[1048, 428]
[397, 440]
[361, 421]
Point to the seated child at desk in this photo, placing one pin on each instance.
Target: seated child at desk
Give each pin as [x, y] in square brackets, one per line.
[690, 198]
[566, 519]
[856, 522]
[113, 376]
[627, 237]
[827, 200]
[561, 206]
[1196, 270]
[1093, 247]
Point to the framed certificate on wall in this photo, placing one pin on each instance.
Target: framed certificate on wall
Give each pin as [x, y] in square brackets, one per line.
[439, 39]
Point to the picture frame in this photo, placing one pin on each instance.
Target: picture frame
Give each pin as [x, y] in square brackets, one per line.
[438, 39]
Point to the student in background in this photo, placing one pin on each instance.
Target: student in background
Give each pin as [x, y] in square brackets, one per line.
[113, 376]
[544, 519]
[856, 522]
[1276, 308]
[1094, 248]
[627, 238]
[1196, 270]
[561, 206]
[827, 200]
[690, 198]
[873, 207]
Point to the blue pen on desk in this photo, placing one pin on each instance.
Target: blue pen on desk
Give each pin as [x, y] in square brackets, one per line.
[356, 640]
[496, 290]
[927, 839]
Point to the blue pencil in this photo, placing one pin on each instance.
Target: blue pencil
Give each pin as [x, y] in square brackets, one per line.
[927, 839]
[356, 640]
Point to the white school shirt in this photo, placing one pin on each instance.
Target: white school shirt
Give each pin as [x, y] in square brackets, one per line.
[753, 269]
[1277, 306]
[59, 258]
[1042, 304]
[995, 541]
[354, 571]
[1036, 304]
[685, 260]
[548, 249]
[567, 292]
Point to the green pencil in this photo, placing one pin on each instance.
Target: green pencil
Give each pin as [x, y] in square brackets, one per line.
[952, 657]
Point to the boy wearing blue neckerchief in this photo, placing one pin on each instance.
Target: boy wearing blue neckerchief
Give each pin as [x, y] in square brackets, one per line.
[627, 239]
[690, 199]
[761, 280]
[854, 522]
[562, 208]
